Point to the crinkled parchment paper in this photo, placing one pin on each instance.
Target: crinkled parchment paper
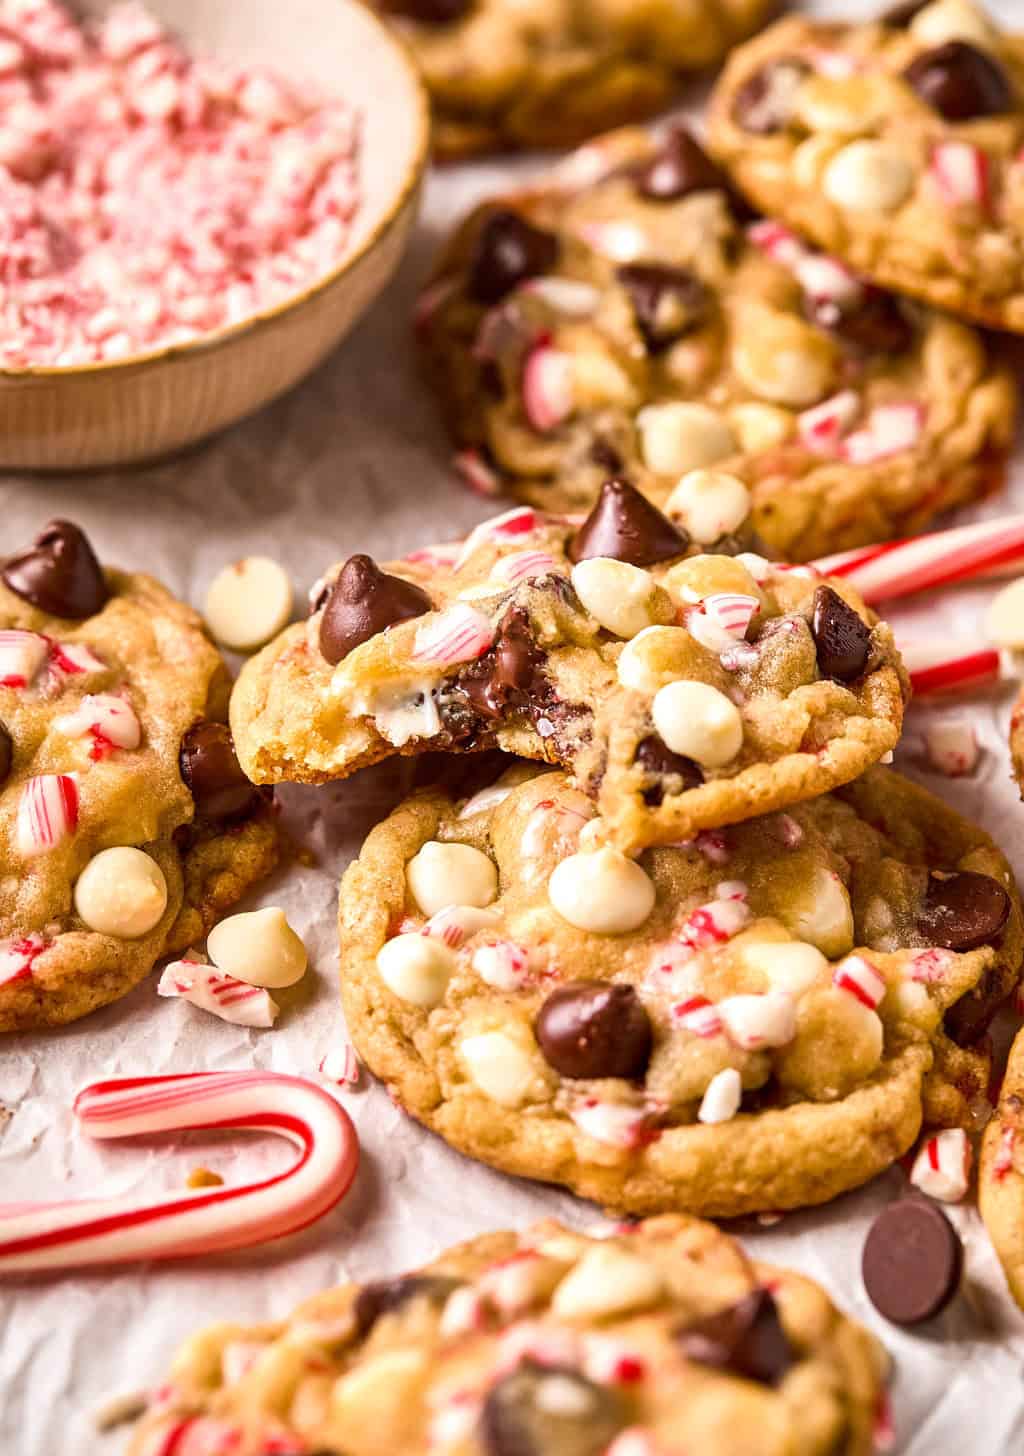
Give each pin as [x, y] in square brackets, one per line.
[355, 461]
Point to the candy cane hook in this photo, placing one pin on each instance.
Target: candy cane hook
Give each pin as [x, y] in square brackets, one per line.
[36, 1236]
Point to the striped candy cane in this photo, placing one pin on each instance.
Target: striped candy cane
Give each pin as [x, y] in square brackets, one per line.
[180, 1224]
[901, 568]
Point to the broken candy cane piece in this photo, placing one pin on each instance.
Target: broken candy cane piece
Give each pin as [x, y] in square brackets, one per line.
[459, 634]
[721, 620]
[212, 990]
[942, 1168]
[503, 965]
[22, 655]
[341, 1065]
[476, 474]
[860, 978]
[699, 1015]
[517, 524]
[612, 1123]
[526, 565]
[73, 659]
[109, 720]
[47, 812]
[888, 430]
[778, 242]
[822, 428]
[17, 957]
[548, 393]
[199, 1221]
[456, 923]
[952, 748]
[962, 174]
[766, 1019]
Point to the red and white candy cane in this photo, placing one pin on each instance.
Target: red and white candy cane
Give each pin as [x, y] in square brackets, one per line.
[933, 668]
[183, 1223]
[942, 558]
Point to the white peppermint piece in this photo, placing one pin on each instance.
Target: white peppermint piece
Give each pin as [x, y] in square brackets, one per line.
[722, 1097]
[766, 1019]
[401, 711]
[22, 656]
[106, 717]
[503, 965]
[612, 1123]
[456, 923]
[942, 1168]
[485, 801]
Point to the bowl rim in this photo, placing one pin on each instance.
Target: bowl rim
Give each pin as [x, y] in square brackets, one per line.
[415, 172]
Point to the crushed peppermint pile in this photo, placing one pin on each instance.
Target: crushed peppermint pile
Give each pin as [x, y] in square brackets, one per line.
[146, 197]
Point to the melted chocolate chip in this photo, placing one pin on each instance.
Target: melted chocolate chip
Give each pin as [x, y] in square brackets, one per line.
[362, 602]
[963, 910]
[508, 251]
[960, 82]
[764, 102]
[59, 573]
[913, 1261]
[624, 524]
[547, 1410]
[213, 774]
[968, 1019]
[431, 12]
[660, 764]
[506, 675]
[871, 322]
[667, 302]
[6, 753]
[679, 167]
[593, 1029]
[747, 1340]
[841, 636]
[388, 1295]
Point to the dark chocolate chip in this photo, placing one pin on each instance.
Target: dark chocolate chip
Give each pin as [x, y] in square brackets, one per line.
[506, 674]
[963, 910]
[59, 573]
[594, 1029]
[680, 166]
[362, 602]
[667, 302]
[624, 524]
[6, 753]
[666, 769]
[508, 251]
[968, 1019]
[764, 102]
[841, 636]
[747, 1339]
[547, 1410]
[872, 321]
[960, 82]
[913, 1261]
[385, 1296]
[213, 774]
[430, 12]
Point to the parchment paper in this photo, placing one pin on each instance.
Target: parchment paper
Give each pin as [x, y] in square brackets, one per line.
[355, 460]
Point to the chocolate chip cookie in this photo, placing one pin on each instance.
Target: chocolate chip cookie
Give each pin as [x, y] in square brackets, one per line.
[126, 824]
[662, 1336]
[684, 692]
[756, 1019]
[896, 145]
[549, 73]
[628, 315]
[1001, 1174]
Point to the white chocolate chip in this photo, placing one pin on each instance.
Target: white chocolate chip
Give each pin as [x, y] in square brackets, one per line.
[602, 891]
[698, 721]
[710, 504]
[677, 437]
[789, 965]
[811, 158]
[822, 914]
[258, 947]
[121, 892]
[783, 360]
[1004, 621]
[619, 596]
[653, 657]
[947, 20]
[761, 426]
[868, 176]
[416, 968]
[722, 1097]
[451, 874]
[607, 1281]
[500, 1065]
[841, 105]
[248, 603]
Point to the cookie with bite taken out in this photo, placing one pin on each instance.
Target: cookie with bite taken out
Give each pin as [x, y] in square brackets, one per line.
[126, 824]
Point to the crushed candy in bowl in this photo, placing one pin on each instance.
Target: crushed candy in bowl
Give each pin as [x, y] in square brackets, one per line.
[147, 197]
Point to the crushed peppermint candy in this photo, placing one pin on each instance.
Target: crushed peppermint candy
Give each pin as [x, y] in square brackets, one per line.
[212, 990]
[147, 197]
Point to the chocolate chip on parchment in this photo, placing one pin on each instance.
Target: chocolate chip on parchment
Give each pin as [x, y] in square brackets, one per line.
[913, 1261]
[625, 525]
[841, 636]
[363, 600]
[963, 910]
[591, 1029]
[59, 573]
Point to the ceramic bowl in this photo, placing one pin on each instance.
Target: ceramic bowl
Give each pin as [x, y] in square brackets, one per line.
[156, 403]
